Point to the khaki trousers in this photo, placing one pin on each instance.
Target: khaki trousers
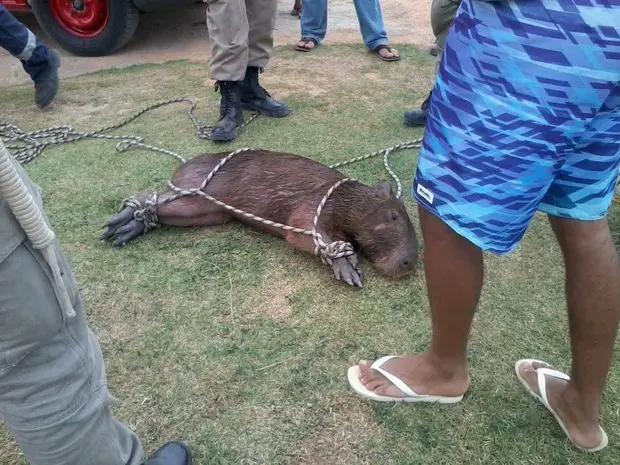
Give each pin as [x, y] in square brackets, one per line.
[53, 391]
[442, 15]
[241, 35]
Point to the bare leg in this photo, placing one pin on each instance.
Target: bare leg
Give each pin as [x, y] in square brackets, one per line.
[454, 272]
[593, 300]
[182, 212]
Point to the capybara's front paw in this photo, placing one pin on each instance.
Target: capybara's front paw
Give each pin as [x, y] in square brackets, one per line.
[123, 227]
[349, 270]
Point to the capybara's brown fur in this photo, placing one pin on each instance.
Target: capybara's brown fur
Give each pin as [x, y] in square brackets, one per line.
[287, 189]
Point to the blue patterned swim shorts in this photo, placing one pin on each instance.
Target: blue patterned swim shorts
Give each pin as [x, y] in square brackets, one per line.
[524, 117]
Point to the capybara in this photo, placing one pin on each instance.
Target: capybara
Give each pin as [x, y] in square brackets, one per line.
[287, 189]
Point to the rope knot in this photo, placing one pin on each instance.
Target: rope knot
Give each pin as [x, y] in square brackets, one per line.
[337, 249]
[146, 213]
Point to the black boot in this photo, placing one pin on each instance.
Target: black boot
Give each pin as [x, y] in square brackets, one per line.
[418, 117]
[172, 453]
[254, 97]
[231, 112]
[47, 82]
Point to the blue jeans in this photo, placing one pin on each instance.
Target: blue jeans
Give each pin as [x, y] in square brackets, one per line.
[20, 42]
[369, 15]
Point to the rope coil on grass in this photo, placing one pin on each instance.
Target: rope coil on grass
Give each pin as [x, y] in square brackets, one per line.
[37, 141]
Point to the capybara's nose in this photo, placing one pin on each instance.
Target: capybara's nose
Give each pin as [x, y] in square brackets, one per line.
[408, 261]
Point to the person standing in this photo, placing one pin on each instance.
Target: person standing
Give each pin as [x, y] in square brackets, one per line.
[524, 117]
[54, 397]
[40, 62]
[369, 15]
[241, 36]
[442, 15]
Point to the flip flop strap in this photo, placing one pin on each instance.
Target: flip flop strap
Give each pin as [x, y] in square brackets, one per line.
[384, 47]
[542, 381]
[393, 379]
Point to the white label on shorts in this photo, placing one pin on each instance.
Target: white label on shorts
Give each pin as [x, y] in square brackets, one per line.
[425, 194]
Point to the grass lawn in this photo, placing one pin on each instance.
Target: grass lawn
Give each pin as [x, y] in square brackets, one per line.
[234, 342]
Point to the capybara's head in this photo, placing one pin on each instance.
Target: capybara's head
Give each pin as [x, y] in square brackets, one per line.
[386, 236]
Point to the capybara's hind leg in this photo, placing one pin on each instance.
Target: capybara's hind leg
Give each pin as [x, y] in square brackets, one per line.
[140, 214]
[127, 224]
[192, 212]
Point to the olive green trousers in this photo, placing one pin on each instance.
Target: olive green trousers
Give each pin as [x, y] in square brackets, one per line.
[442, 15]
[241, 35]
[53, 391]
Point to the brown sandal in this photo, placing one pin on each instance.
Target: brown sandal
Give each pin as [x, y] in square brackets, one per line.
[306, 40]
[389, 49]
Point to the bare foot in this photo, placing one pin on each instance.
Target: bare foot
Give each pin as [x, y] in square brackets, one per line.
[582, 426]
[420, 373]
[388, 52]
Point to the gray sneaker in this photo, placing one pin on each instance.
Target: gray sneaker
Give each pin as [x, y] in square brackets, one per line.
[418, 117]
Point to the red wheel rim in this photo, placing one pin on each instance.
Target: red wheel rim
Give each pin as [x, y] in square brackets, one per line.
[81, 18]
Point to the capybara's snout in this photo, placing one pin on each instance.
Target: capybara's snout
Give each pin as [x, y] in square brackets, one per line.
[400, 261]
[407, 262]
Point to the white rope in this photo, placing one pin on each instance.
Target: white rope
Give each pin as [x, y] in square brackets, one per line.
[31, 219]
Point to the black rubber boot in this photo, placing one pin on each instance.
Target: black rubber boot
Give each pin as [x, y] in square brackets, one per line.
[255, 98]
[231, 111]
[172, 453]
[418, 117]
[47, 82]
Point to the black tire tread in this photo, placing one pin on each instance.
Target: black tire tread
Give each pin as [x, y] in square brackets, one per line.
[55, 31]
[131, 24]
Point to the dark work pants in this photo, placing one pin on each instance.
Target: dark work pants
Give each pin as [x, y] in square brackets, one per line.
[20, 42]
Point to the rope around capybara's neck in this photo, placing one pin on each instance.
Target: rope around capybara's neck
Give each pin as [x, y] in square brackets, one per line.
[31, 219]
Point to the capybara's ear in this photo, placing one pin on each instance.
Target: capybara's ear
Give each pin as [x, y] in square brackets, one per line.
[384, 188]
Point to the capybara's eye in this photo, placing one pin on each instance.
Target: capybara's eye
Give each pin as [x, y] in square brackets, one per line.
[394, 216]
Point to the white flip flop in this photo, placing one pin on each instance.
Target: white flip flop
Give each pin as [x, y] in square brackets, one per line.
[542, 398]
[410, 396]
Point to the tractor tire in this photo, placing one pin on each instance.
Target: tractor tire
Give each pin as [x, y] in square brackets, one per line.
[88, 28]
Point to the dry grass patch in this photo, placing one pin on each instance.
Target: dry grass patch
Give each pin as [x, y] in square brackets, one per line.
[348, 428]
[276, 295]
[281, 282]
